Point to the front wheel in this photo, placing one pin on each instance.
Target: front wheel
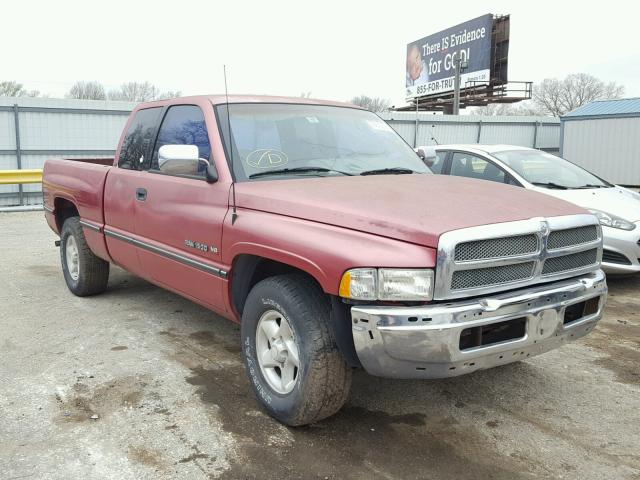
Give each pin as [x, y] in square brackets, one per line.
[84, 273]
[292, 359]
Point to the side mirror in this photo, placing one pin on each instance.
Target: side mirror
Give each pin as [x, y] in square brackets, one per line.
[177, 153]
[211, 174]
[427, 154]
[420, 152]
[184, 160]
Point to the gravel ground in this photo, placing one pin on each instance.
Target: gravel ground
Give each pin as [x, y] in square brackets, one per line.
[139, 383]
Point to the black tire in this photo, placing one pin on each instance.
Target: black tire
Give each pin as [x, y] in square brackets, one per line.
[93, 272]
[323, 378]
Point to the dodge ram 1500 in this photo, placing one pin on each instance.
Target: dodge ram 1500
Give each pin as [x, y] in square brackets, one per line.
[318, 229]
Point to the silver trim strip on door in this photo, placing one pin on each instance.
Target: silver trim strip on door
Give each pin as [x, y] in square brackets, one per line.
[91, 226]
[166, 253]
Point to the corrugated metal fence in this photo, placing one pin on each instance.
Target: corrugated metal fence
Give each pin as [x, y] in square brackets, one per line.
[34, 129]
[534, 132]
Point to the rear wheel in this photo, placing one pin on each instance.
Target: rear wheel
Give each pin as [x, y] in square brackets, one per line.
[84, 273]
[292, 359]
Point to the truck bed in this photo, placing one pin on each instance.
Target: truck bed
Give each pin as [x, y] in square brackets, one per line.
[80, 181]
[97, 161]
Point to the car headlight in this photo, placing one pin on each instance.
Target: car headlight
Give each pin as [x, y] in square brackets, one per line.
[613, 221]
[392, 284]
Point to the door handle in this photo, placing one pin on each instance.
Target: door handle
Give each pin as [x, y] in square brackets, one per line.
[141, 194]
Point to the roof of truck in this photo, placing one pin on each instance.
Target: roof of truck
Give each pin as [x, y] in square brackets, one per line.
[222, 99]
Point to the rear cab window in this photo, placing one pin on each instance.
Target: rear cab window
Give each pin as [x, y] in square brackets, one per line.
[138, 138]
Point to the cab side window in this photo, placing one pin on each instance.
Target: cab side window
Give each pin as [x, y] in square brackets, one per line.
[183, 125]
[472, 166]
[138, 138]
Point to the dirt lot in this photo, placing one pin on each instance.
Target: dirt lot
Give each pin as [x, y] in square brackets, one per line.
[163, 380]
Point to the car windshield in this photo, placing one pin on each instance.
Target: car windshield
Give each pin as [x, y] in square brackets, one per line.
[546, 170]
[275, 141]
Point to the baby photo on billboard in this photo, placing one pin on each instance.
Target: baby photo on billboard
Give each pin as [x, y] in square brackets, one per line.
[417, 72]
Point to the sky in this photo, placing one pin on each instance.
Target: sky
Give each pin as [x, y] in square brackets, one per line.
[334, 49]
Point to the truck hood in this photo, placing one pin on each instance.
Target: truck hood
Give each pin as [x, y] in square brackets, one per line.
[619, 201]
[412, 208]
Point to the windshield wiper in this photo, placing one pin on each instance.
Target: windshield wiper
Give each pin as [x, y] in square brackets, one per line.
[284, 171]
[384, 171]
[550, 185]
[592, 186]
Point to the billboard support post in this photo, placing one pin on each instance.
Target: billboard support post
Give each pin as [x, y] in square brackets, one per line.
[456, 87]
[459, 67]
[415, 133]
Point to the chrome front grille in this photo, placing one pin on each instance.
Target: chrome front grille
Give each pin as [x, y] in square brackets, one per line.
[490, 258]
[572, 236]
[496, 248]
[566, 263]
[480, 277]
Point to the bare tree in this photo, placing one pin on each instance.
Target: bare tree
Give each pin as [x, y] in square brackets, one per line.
[305, 95]
[375, 104]
[15, 89]
[87, 91]
[496, 109]
[169, 94]
[135, 92]
[557, 97]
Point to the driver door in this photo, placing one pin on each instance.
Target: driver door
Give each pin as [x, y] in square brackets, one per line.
[181, 215]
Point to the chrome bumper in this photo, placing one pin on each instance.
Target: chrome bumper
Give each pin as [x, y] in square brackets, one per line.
[424, 342]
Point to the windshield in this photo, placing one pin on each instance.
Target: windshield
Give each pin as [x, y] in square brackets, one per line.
[544, 169]
[270, 141]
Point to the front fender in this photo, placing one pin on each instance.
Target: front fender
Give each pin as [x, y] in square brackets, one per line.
[323, 251]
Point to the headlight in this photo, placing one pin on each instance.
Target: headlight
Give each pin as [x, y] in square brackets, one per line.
[613, 221]
[360, 284]
[392, 284]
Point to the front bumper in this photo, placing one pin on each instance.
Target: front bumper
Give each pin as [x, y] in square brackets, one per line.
[425, 341]
[625, 243]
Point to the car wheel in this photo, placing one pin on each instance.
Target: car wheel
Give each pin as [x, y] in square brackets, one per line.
[84, 273]
[294, 365]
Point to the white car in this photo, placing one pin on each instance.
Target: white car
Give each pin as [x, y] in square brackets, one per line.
[617, 208]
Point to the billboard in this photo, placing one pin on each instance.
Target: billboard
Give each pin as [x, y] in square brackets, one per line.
[430, 60]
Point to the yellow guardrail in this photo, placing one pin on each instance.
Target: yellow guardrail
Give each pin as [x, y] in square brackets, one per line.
[11, 177]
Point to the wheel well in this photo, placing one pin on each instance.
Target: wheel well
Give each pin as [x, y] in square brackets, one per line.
[64, 209]
[250, 269]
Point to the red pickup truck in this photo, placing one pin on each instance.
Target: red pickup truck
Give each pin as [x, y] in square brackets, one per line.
[319, 230]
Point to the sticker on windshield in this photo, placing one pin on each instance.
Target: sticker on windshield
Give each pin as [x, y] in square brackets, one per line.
[312, 119]
[267, 158]
[378, 125]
